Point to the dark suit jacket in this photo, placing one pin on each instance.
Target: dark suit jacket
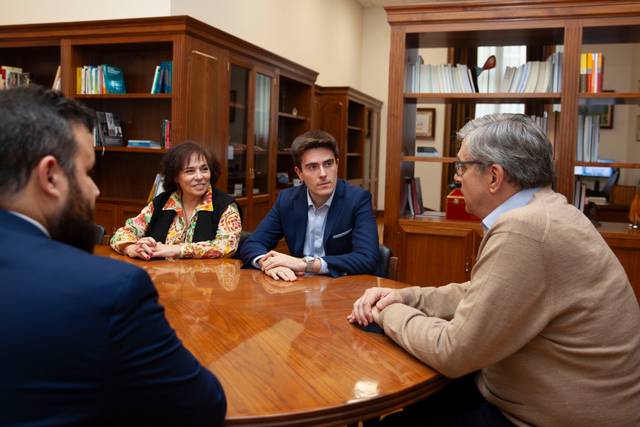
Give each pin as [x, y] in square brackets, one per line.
[85, 342]
[350, 234]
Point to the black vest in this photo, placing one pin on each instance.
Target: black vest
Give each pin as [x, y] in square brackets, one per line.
[206, 224]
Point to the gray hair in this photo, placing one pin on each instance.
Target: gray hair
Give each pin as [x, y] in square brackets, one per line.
[514, 142]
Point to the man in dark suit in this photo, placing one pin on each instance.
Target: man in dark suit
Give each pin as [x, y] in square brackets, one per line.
[84, 340]
[327, 223]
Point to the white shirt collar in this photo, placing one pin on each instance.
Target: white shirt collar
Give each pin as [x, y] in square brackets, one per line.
[32, 221]
[327, 203]
[518, 200]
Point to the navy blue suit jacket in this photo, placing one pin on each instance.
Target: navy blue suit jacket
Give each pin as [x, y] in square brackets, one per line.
[350, 234]
[85, 342]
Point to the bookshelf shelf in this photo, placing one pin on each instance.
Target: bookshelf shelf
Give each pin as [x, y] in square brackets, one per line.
[128, 96]
[354, 128]
[428, 159]
[292, 116]
[131, 150]
[484, 98]
[610, 164]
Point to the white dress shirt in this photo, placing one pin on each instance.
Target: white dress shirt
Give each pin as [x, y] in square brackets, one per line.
[518, 200]
[313, 241]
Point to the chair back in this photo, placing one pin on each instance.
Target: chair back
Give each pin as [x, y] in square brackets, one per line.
[99, 234]
[387, 264]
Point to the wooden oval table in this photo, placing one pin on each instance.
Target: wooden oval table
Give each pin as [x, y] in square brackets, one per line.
[284, 352]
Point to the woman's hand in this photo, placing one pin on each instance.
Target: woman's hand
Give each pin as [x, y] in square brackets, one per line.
[143, 248]
[166, 251]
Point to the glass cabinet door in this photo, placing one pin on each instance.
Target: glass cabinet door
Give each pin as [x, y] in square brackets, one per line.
[237, 148]
[262, 133]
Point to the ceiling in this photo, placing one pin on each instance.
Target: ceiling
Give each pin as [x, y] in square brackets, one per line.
[381, 3]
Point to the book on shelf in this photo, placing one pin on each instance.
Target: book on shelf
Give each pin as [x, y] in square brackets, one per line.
[412, 199]
[591, 72]
[113, 79]
[426, 151]
[57, 80]
[143, 143]
[443, 78]
[156, 188]
[588, 141]
[162, 78]
[99, 79]
[165, 134]
[108, 129]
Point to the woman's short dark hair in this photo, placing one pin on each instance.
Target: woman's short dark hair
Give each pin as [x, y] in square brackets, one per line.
[177, 158]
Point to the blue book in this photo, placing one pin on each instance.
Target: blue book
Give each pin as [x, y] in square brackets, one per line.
[113, 79]
[166, 72]
[143, 143]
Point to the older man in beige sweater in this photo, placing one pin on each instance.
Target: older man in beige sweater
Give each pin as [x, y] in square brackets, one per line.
[548, 319]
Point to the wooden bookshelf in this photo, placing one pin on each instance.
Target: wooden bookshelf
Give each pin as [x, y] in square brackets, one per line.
[200, 106]
[353, 118]
[468, 24]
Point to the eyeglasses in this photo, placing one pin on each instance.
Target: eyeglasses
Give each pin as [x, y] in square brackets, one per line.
[461, 165]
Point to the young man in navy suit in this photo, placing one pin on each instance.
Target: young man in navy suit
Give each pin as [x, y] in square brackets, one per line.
[328, 224]
[84, 340]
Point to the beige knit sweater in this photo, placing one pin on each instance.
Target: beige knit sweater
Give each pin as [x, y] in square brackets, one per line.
[549, 318]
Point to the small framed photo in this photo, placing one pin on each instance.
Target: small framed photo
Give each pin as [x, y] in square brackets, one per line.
[425, 123]
[606, 117]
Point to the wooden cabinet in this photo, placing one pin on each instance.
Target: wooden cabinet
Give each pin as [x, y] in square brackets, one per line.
[353, 118]
[295, 114]
[226, 95]
[543, 26]
[436, 252]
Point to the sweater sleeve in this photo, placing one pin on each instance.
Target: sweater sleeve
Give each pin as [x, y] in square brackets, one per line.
[502, 310]
[435, 302]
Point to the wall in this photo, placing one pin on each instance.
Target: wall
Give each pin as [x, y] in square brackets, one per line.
[325, 36]
[375, 77]
[39, 11]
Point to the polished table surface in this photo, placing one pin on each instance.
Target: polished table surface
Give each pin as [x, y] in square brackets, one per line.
[284, 352]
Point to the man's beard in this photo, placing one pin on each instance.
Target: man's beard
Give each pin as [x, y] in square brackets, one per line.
[75, 224]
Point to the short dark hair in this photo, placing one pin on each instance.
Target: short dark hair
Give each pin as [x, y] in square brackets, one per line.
[36, 122]
[176, 158]
[309, 140]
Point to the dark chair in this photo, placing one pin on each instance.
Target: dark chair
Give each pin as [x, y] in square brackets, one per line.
[99, 234]
[387, 264]
[244, 235]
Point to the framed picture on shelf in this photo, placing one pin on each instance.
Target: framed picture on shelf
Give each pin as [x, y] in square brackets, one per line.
[606, 117]
[425, 123]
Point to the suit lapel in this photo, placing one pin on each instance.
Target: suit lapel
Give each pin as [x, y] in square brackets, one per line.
[300, 219]
[334, 211]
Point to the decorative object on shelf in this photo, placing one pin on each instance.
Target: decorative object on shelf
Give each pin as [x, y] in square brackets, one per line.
[282, 177]
[456, 208]
[425, 122]
[634, 210]
[489, 64]
[427, 151]
[606, 117]
[294, 111]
